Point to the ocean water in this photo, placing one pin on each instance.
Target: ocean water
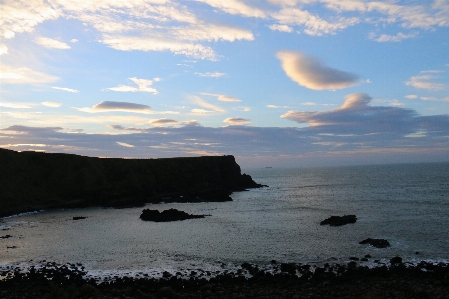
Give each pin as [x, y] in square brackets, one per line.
[406, 204]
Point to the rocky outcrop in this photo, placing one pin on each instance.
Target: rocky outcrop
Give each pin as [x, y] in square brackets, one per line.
[167, 215]
[378, 243]
[339, 220]
[32, 181]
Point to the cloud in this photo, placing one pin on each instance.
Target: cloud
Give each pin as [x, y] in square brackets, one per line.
[355, 116]
[50, 43]
[235, 7]
[211, 32]
[14, 105]
[222, 97]
[391, 38]
[51, 104]
[192, 123]
[13, 75]
[201, 111]
[162, 122]
[236, 121]
[108, 106]
[312, 73]
[24, 15]
[423, 81]
[411, 96]
[143, 85]
[282, 28]
[129, 43]
[445, 99]
[358, 134]
[202, 103]
[313, 25]
[124, 144]
[66, 89]
[213, 75]
[73, 40]
[276, 107]
[3, 49]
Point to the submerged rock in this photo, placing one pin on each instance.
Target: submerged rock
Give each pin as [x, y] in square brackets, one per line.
[378, 243]
[167, 215]
[339, 220]
[5, 237]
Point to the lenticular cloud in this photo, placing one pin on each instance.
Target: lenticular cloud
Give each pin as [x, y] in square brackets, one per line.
[312, 73]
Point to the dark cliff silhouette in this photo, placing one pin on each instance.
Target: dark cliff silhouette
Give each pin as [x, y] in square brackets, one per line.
[31, 180]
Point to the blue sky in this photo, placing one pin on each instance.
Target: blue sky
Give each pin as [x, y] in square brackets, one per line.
[275, 82]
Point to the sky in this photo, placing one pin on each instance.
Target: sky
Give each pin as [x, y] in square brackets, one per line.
[284, 83]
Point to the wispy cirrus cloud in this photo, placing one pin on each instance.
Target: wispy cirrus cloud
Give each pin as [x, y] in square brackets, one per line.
[309, 72]
[66, 89]
[222, 97]
[382, 38]
[51, 104]
[130, 43]
[210, 74]
[15, 105]
[236, 7]
[311, 24]
[425, 81]
[202, 103]
[125, 144]
[143, 85]
[24, 75]
[51, 43]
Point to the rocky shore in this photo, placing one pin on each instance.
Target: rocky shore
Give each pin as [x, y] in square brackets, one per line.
[395, 280]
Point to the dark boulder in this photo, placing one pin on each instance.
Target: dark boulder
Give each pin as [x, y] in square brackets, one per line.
[5, 237]
[396, 260]
[339, 220]
[289, 268]
[378, 243]
[167, 215]
[78, 217]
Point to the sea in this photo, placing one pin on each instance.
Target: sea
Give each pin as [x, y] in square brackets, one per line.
[406, 204]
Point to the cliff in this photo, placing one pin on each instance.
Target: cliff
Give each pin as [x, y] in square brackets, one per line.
[33, 180]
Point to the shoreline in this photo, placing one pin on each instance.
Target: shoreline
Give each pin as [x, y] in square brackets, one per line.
[398, 279]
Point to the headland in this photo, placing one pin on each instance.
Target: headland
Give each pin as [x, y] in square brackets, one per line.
[32, 181]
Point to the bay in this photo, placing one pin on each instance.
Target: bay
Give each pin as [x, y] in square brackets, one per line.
[407, 204]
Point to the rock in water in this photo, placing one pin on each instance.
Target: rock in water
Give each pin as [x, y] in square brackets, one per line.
[167, 215]
[378, 243]
[339, 220]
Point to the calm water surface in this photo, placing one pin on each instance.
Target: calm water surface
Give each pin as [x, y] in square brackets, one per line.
[406, 204]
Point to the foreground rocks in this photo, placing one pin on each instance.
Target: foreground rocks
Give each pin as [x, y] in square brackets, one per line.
[339, 220]
[167, 215]
[378, 243]
[425, 280]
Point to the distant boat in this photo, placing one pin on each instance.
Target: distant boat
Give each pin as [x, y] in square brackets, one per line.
[268, 167]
